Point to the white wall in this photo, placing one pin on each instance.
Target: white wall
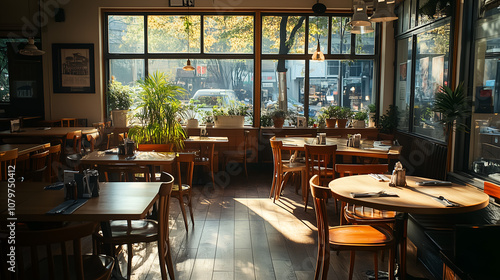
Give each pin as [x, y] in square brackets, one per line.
[83, 25]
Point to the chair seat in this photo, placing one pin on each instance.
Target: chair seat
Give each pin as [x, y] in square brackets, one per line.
[356, 212]
[356, 235]
[184, 187]
[293, 166]
[142, 230]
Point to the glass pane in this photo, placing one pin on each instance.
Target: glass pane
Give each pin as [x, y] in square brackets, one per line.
[126, 34]
[228, 79]
[484, 158]
[403, 83]
[432, 56]
[294, 85]
[168, 34]
[4, 67]
[289, 40]
[318, 28]
[431, 10]
[228, 34]
[357, 84]
[341, 35]
[127, 72]
[365, 43]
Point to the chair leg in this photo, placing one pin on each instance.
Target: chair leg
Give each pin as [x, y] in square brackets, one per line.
[170, 265]
[392, 256]
[190, 205]
[375, 264]
[129, 260]
[343, 220]
[271, 193]
[183, 209]
[351, 264]
[305, 189]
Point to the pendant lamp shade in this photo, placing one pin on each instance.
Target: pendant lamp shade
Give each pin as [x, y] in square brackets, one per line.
[362, 29]
[384, 12]
[318, 55]
[188, 66]
[360, 18]
[30, 49]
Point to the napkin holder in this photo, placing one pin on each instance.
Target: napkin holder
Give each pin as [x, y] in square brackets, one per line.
[398, 178]
[129, 146]
[321, 138]
[354, 140]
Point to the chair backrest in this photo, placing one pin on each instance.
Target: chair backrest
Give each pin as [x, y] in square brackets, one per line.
[68, 122]
[37, 245]
[164, 205]
[185, 165]
[492, 190]
[73, 142]
[38, 166]
[318, 160]
[123, 172]
[7, 158]
[276, 146]
[54, 163]
[359, 169]
[320, 195]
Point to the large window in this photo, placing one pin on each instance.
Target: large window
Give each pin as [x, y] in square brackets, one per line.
[222, 50]
[423, 64]
[484, 156]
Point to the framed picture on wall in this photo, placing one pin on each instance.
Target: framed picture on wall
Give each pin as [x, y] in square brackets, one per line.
[73, 68]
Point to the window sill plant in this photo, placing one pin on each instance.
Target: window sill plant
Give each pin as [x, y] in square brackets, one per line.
[232, 115]
[359, 119]
[190, 112]
[119, 102]
[329, 114]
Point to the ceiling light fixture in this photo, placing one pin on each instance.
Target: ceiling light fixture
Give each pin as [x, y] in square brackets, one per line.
[318, 9]
[362, 29]
[384, 11]
[360, 18]
[188, 66]
[30, 49]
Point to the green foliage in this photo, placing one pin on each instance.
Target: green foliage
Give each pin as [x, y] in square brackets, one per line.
[235, 108]
[344, 113]
[389, 121]
[372, 108]
[453, 105]
[266, 120]
[158, 113]
[330, 111]
[276, 114]
[191, 110]
[361, 116]
[119, 96]
[207, 117]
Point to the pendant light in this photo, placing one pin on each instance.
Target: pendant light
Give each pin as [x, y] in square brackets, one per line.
[30, 49]
[362, 29]
[318, 9]
[188, 66]
[360, 18]
[384, 11]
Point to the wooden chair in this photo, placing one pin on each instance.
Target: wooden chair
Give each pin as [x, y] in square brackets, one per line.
[320, 160]
[161, 148]
[346, 238]
[138, 231]
[68, 122]
[73, 142]
[124, 172]
[240, 154]
[355, 214]
[283, 170]
[47, 254]
[183, 186]
[204, 156]
[38, 167]
[7, 158]
[54, 164]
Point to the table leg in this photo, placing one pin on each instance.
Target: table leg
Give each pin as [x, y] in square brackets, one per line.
[401, 227]
[109, 250]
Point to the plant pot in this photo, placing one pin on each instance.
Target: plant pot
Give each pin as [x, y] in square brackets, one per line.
[330, 123]
[119, 118]
[278, 122]
[341, 123]
[192, 123]
[358, 123]
[229, 121]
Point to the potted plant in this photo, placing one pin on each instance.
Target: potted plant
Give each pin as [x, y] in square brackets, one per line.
[278, 116]
[343, 114]
[454, 107]
[359, 119]
[372, 110]
[158, 110]
[232, 115]
[119, 102]
[190, 112]
[207, 118]
[329, 114]
[389, 121]
[266, 120]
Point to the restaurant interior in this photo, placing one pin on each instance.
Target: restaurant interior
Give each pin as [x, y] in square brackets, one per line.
[317, 139]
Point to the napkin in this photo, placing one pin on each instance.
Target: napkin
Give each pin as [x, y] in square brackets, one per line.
[67, 207]
[374, 194]
[380, 177]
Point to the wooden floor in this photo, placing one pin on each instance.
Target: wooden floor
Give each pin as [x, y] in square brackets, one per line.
[239, 233]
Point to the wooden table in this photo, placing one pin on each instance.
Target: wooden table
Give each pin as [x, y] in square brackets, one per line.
[45, 132]
[23, 148]
[141, 157]
[411, 199]
[366, 149]
[116, 201]
[207, 139]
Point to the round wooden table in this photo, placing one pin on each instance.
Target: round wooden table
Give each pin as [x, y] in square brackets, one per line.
[410, 199]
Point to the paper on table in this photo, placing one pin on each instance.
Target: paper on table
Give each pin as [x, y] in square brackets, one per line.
[380, 177]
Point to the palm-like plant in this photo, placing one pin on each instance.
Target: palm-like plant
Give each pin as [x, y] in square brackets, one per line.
[454, 107]
[158, 112]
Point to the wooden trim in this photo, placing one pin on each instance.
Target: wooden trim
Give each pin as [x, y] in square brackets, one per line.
[492, 190]
[257, 97]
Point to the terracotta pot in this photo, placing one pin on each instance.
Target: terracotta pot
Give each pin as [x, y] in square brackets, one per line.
[330, 123]
[278, 122]
[341, 123]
